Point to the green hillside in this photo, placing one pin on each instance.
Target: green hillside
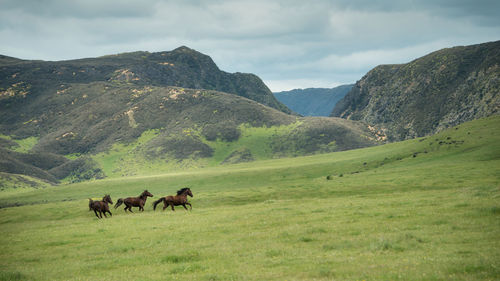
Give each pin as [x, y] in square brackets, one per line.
[434, 92]
[422, 209]
[101, 129]
[145, 113]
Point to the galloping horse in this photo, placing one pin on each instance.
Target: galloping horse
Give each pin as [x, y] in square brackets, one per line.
[134, 201]
[179, 199]
[101, 206]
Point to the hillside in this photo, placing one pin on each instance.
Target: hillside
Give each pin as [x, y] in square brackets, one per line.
[115, 129]
[182, 67]
[313, 101]
[443, 89]
[422, 209]
[146, 112]
[5, 60]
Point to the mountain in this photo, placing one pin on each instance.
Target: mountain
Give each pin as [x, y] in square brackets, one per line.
[84, 130]
[5, 60]
[182, 67]
[313, 101]
[439, 90]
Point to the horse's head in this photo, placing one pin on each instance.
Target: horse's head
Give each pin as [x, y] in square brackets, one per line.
[185, 191]
[107, 199]
[146, 193]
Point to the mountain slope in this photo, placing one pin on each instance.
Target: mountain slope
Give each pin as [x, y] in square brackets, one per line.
[313, 101]
[121, 128]
[442, 89]
[5, 60]
[182, 67]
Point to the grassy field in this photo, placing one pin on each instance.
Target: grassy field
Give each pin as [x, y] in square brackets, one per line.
[424, 209]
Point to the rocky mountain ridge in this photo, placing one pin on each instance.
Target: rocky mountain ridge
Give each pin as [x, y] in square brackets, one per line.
[182, 67]
[437, 91]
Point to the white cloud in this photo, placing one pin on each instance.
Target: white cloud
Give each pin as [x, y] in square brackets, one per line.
[286, 85]
[370, 58]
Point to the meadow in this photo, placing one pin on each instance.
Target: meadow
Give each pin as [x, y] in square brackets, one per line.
[423, 209]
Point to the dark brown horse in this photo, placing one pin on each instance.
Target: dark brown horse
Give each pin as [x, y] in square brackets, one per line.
[101, 206]
[134, 201]
[179, 199]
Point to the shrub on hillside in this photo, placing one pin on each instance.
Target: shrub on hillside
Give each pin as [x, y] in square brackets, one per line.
[83, 168]
[179, 146]
[226, 131]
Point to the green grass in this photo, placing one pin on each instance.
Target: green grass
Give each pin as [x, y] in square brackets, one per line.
[256, 139]
[424, 209]
[128, 159]
[24, 145]
[13, 184]
[120, 155]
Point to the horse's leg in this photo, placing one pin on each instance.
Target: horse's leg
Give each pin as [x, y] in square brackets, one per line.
[172, 206]
[100, 214]
[128, 207]
[184, 205]
[107, 211]
[190, 207]
[110, 214]
[95, 211]
[165, 205]
[105, 214]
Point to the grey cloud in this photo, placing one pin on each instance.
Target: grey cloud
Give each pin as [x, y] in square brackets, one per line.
[285, 42]
[85, 9]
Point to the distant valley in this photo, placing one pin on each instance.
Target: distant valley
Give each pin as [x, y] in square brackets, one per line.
[313, 101]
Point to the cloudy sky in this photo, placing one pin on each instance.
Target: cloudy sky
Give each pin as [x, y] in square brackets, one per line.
[288, 43]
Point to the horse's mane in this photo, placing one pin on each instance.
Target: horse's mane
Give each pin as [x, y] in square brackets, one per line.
[180, 191]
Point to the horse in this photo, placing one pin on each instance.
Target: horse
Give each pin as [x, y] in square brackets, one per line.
[134, 201]
[100, 206]
[179, 199]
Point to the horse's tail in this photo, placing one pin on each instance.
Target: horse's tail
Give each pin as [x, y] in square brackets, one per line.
[118, 203]
[90, 204]
[157, 202]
